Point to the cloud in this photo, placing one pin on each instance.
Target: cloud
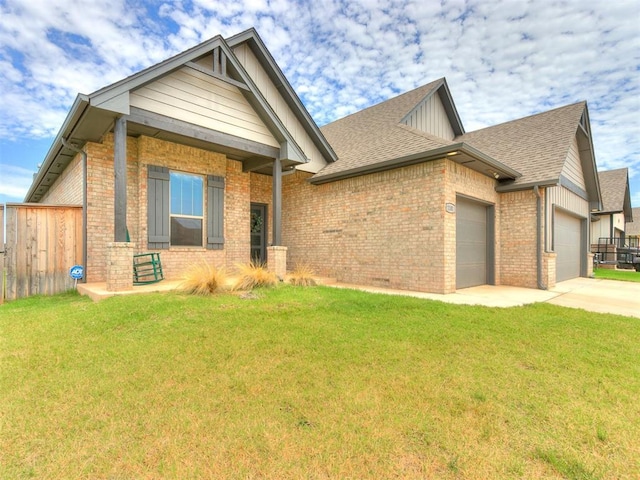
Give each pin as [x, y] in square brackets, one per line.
[503, 59]
[15, 182]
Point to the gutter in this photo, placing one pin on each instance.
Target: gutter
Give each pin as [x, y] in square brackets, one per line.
[536, 191]
[84, 202]
[77, 111]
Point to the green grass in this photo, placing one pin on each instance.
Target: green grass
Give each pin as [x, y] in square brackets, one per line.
[624, 275]
[314, 383]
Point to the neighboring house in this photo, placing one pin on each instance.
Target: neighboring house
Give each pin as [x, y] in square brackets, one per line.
[210, 155]
[610, 221]
[633, 228]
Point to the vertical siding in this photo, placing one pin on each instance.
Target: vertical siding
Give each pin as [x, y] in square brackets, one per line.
[563, 198]
[573, 167]
[430, 117]
[280, 107]
[197, 98]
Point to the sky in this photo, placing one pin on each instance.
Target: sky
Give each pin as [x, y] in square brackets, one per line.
[503, 60]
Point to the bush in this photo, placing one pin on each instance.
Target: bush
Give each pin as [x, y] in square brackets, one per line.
[302, 276]
[204, 279]
[253, 275]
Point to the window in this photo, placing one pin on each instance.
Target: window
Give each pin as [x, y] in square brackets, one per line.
[186, 197]
[175, 209]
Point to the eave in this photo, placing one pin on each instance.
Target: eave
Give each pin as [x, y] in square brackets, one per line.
[460, 153]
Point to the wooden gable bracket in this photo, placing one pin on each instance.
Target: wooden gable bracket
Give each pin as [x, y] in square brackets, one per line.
[219, 69]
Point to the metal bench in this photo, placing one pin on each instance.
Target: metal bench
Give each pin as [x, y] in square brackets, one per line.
[147, 268]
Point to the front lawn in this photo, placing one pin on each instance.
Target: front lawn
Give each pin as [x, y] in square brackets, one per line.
[624, 275]
[315, 383]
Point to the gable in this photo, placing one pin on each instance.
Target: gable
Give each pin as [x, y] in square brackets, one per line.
[200, 99]
[430, 116]
[572, 169]
[263, 82]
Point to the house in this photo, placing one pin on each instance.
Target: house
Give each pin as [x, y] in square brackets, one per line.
[211, 155]
[633, 228]
[610, 221]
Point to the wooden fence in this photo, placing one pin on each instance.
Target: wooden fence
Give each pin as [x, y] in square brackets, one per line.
[1, 254]
[43, 242]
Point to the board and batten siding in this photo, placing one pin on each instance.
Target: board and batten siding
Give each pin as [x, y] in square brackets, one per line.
[197, 98]
[429, 116]
[561, 197]
[573, 166]
[280, 107]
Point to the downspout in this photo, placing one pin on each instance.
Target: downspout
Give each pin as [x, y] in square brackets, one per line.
[536, 190]
[84, 204]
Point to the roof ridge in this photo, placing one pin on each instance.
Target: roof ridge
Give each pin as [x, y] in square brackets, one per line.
[546, 112]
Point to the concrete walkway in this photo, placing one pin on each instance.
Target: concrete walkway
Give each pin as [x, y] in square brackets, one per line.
[596, 295]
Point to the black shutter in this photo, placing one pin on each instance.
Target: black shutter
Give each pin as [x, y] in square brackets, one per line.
[158, 207]
[215, 212]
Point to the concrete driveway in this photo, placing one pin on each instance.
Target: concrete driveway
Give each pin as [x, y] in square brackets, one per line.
[595, 295]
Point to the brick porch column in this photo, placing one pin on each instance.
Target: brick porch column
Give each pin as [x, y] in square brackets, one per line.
[120, 266]
[277, 261]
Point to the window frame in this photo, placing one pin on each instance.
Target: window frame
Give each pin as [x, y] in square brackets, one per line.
[181, 215]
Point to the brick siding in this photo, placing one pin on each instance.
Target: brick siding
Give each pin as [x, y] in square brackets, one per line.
[67, 189]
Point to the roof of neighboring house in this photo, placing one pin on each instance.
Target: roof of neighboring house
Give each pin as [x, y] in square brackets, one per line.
[536, 146]
[374, 139]
[633, 228]
[613, 184]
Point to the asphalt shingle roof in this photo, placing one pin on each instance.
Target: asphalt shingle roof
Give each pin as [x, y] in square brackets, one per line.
[613, 185]
[536, 146]
[633, 228]
[374, 135]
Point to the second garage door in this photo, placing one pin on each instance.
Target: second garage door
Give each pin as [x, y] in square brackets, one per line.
[471, 243]
[567, 243]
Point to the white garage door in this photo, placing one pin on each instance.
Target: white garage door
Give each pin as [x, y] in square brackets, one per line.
[567, 243]
[471, 243]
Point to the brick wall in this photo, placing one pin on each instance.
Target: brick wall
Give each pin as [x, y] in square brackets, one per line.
[67, 189]
[382, 229]
[518, 239]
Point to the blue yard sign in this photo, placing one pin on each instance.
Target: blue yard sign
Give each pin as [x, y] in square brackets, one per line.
[76, 272]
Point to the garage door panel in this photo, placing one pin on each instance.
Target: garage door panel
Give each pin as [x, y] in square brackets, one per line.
[471, 243]
[567, 243]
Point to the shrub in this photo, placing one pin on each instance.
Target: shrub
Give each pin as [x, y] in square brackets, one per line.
[254, 274]
[302, 275]
[204, 279]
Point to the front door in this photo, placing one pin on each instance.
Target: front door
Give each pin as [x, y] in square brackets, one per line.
[258, 232]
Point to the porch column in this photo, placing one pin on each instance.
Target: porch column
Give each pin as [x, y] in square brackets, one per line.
[120, 252]
[277, 202]
[120, 185]
[276, 253]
